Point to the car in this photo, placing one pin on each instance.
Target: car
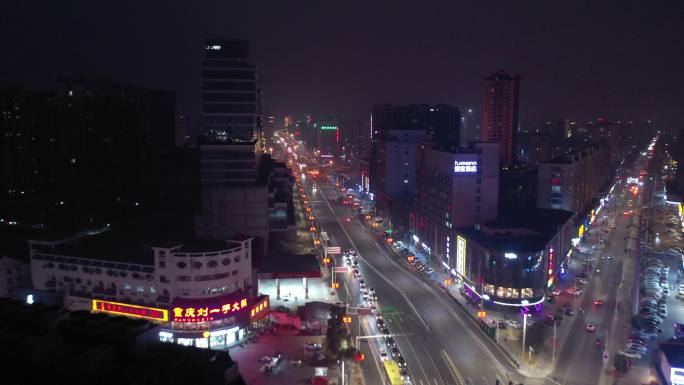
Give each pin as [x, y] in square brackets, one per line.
[381, 323]
[395, 352]
[574, 291]
[348, 219]
[385, 331]
[371, 291]
[383, 355]
[590, 327]
[312, 346]
[404, 373]
[569, 311]
[362, 283]
[401, 362]
[513, 324]
[598, 302]
[390, 341]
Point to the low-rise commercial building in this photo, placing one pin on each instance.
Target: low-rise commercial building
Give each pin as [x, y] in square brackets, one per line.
[202, 291]
[512, 263]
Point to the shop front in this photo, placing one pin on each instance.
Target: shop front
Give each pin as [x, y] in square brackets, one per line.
[210, 323]
[214, 323]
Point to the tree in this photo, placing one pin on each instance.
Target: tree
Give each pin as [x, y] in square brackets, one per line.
[337, 336]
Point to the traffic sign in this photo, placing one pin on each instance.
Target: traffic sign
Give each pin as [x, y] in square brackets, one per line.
[333, 250]
[341, 269]
[364, 311]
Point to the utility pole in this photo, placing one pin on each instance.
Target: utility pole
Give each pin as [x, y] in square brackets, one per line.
[553, 351]
[522, 355]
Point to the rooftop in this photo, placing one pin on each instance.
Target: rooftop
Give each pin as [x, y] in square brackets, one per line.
[674, 353]
[50, 345]
[288, 263]
[517, 243]
[543, 221]
[525, 231]
[14, 240]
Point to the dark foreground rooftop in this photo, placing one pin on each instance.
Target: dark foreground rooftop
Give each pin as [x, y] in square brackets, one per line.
[51, 346]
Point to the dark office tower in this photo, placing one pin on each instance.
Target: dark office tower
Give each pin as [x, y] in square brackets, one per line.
[442, 121]
[28, 143]
[500, 95]
[231, 96]
[397, 133]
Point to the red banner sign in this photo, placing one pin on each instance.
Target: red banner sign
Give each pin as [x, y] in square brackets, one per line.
[129, 310]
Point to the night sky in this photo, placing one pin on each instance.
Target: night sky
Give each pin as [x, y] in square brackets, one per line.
[615, 59]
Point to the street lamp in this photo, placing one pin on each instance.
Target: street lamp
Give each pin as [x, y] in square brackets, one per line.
[524, 334]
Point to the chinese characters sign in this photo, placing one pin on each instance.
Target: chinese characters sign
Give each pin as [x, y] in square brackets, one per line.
[465, 166]
[259, 309]
[128, 310]
[208, 312]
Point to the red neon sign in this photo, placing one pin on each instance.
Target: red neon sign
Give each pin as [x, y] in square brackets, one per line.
[129, 310]
[207, 313]
[258, 309]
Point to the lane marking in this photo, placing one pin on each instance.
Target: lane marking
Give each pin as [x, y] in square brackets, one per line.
[434, 365]
[405, 297]
[455, 373]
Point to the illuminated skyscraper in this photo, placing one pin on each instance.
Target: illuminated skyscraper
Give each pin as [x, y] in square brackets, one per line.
[500, 94]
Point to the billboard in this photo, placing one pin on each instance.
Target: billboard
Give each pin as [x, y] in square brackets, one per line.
[128, 310]
[461, 255]
[466, 167]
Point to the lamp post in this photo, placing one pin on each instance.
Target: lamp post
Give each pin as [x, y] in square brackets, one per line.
[553, 351]
[524, 334]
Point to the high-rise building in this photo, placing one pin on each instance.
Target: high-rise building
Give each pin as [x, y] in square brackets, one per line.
[231, 96]
[500, 94]
[396, 134]
[574, 181]
[233, 200]
[86, 144]
[327, 139]
[456, 188]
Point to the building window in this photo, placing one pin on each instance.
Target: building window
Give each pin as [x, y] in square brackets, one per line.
[555, 188]
[162, 264]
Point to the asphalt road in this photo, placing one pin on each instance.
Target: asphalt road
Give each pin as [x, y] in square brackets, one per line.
[439, 342]
[579, 360]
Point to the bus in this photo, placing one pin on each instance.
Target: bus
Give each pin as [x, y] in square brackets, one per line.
[393, 373]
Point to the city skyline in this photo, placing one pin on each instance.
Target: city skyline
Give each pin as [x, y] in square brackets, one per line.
[577, 62]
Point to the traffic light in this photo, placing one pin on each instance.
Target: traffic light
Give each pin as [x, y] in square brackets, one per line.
[448, 282]
[326, 260]
[411, 258]
[481, 314]
[317, 242]
[346, 319]
[335, 285]
[359, 357]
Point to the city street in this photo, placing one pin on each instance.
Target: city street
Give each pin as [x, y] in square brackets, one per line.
[440, 343]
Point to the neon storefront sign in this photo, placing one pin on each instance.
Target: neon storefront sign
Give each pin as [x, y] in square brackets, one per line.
[128, 310]
[202, 313]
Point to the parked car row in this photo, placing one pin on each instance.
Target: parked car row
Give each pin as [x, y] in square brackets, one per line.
[652, 308]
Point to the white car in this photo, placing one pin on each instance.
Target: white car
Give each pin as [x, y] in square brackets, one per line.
[513, 324]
